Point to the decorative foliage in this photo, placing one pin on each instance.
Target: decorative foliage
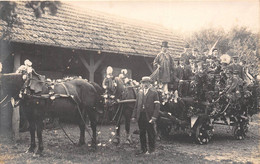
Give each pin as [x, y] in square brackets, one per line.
[9, 15]
[239, 41]
[39, 7]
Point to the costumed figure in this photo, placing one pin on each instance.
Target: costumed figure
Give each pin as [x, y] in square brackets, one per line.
[108, 83]
[164, 62]
[27, 71]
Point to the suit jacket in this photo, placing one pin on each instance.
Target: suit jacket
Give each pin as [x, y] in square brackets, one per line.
[150, 102]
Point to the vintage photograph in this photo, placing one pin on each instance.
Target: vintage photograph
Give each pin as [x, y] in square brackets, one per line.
[164, 81]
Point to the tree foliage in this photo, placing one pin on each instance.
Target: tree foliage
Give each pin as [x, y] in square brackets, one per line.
[239, 41]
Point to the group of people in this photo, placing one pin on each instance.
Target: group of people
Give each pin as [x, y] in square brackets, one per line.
[191, 73]
[209, 71]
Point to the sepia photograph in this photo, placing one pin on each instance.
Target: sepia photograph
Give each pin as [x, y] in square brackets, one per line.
[164, 81]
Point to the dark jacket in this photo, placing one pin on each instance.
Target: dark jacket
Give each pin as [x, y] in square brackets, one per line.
[151, 104]
[166, 66]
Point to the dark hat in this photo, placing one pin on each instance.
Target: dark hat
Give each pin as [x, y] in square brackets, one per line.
[235, 57]
[164, 44]
[146, 79]
[236, 72]
[230, 71]
[192, 57]
[214, 49]
[217, 76]
[205, 49]
[177, 59]
[187, 45]
[195, 49]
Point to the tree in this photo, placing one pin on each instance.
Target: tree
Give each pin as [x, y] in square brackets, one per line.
[238, 41]
[10, 17]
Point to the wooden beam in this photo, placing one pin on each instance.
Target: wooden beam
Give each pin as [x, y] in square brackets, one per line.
[17, 61]
[149, 65]
[91, 68]
[97, 64]
[84, 61]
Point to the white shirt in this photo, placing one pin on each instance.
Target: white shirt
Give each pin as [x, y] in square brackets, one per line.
[145, 91]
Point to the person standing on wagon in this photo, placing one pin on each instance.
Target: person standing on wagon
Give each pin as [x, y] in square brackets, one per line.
[146, 112]
[164, 62]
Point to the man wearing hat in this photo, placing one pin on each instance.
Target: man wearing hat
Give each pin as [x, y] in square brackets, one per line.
[233, 85]
[146, 112]
[164, 62]
[235, 66]
[176, 74]
[186, 54]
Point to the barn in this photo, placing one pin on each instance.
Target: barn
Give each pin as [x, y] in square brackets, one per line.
[83, 43]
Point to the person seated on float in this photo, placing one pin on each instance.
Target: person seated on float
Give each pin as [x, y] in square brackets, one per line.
[108, 83]
[236, 66]
[233, 85]
[123, 76]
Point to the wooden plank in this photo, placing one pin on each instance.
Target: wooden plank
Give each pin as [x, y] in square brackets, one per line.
[17, 61]
[98, 63]
[84, 61]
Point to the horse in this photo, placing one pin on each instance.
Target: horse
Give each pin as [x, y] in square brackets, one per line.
[122, 92]
[72, 98]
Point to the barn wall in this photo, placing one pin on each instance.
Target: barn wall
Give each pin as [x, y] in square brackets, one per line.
[57, 63]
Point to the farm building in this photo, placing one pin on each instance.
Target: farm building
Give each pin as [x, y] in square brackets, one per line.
[83, 43]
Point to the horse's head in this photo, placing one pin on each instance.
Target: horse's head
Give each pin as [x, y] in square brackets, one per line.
[113, 92]
[11, 83]
[99, 105]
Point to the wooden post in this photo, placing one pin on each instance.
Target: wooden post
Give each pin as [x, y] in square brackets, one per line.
[5, 112]
[16, 110]
[92, 66]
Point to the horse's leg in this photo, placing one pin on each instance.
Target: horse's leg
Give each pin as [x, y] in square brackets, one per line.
[32, 133]
[127, 114]
[118, 123]
[39, 126]
[82, 128]
[93, 123]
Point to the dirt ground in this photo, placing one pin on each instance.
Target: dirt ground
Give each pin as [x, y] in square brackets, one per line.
[179, 148]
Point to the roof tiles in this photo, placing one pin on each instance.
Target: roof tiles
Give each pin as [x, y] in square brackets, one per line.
[92, 30]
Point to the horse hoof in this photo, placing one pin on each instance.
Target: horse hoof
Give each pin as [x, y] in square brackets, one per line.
[116, 141]
[35, 155]
[30, 150]
[128, 142]
[80, 144]
[38, 153]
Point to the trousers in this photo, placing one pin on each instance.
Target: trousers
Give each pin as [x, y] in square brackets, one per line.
[146, 128]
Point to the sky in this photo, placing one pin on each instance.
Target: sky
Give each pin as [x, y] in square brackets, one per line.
[183, 16]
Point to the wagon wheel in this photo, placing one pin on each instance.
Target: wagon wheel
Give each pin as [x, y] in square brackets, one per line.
[203, 133]
[165, 131]
[240, 130]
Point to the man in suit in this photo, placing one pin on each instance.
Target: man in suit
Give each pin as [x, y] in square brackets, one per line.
[165, 63]
[146, 112]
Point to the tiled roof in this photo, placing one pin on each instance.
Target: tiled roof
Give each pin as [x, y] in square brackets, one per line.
[93, 30]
